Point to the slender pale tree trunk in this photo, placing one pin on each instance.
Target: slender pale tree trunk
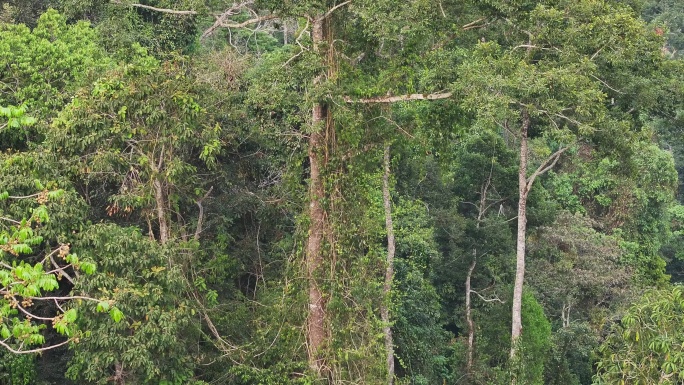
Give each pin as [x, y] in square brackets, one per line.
[516, 329]
[469, 318]
[470, 353]
[314, 258]
[389, 272]
[524, 186]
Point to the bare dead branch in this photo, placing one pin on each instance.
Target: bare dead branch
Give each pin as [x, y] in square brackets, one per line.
[162, 10]
[65, 298]
[25, 196]
[473, 24]
[249, 22]
[221, 18]
[493, 299]
[301, 47]
[400, 98]
[529, 47]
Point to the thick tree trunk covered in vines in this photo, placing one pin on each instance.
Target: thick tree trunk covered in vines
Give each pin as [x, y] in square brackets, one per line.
[523, 190]
[389, 272]
[162, 217]
[314, 257]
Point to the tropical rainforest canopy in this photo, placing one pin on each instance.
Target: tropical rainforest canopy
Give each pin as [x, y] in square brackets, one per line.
[341, 192]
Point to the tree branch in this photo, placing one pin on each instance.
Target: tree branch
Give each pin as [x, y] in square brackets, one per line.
[162, 10]
[473, 24]
[333, 9]
[250, 21]
[548, 164]
[31, 315]
[200, 217]
[221, 18]
[10, 220]
[400, 98]
[38, 350]
[65, 298]
[493, 299]
[60, 269]
[607, 85]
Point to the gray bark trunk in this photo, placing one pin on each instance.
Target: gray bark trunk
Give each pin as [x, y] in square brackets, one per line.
[470, 353]
[469, 319]
[389, 272]
[516, 328]
[314, 258]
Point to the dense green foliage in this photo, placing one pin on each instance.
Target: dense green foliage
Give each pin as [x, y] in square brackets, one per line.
[166, 167]
[646, 345]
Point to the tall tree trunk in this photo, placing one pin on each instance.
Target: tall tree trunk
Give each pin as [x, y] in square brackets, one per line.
[314, 258]
[525, 185]
[389, 272]
[469, 319]
[162, 215]
[516, 328]
[470, 353]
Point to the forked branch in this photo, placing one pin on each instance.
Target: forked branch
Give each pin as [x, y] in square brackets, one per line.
[547, 165]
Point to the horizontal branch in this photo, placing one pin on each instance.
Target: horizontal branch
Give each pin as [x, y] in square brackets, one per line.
[64, 298]
[493, 299]
[162, 10]
[249, 22]
[221, 21]
[400, 98]
[31, 315]
[10, 220]
[24, 196]
[37, 350]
